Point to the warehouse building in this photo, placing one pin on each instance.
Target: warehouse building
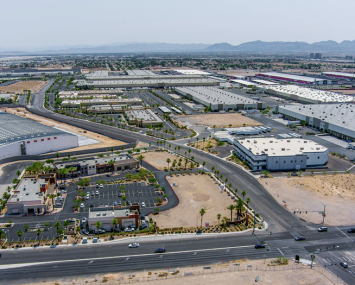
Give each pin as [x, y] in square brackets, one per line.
[152, 83]
[281, 154]
[164, 109]
[21, 136]
[140, 77]
[263, 82]
[244, 83]
[86, 93]
[336, 119]
[293, 78]
[218, 99]
[306, 95]
[37, 72]
[192, 72]
[112, 109]
[143, 118]
[339, 75]
[99, 101]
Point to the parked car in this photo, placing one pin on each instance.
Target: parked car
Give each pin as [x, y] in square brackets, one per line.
[82, 205]
[351, 230]
[129, 229]
[97, 186]
[143, 222]
[85, 232]
[132, 245]
[323, 229]
[115, 203]
[160, 250]
[119, 203]
[87, 193]
[112, 237]
[84, 220]
[72, 220]
[143, 205]
[101, 204]
[299, 238]
[61, 187]
[144, 226]
[294, 174]
[108, 175]
[97, 192]
[58, 204]
[94, 240]
[119, 194]
[92, 193]
[343, 264]
[87, 197]
[128, 202]
[101, 186]
[116, 230]
[100, 231]
[85, 240]
[260, 245]
[91, 204]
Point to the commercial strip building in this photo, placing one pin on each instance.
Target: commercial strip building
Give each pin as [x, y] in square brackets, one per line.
[281, 154]
[164, 109]
[143, 118]
[21, 136]
[293, 78]
[339, 75]
[98, 101]
[30, 195]
[96, 165]
[126, 216]
[86, 93]
[152, 83]
[112, 109]
[336, 119]
[218, 99]
[306, 95]
[36, 72]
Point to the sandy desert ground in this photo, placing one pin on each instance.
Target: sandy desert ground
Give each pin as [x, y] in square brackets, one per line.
[18, 87]
[335, 191]
[220, 120]
[158, 159]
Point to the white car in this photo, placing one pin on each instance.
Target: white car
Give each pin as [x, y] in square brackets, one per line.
[83, 220]
[101, 186]
[87, 197]
[97, 193]
[87, 193]
[135, 244]
[143, 222]
[82, 205]
[129, 229]
[143, 205]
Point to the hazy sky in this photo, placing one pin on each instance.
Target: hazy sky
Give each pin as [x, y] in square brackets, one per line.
[45, 23]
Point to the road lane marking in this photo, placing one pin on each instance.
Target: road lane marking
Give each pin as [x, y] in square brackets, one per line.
[281, 252]
[342, 232]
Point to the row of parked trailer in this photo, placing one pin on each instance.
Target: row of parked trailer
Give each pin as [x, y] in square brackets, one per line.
[248, 130]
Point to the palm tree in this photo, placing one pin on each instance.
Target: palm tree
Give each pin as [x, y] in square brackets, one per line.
[52, 196]
[98, 225]
[212, 168]
[19, 234]
[169, 146]
[239, 207]
[243, 194]
[26, 227]
[38, 232]
[203, 164]
[248, 201]
[115, 222]
[57, 225]
[18, 173]
[71, 169]
[168, 160]
[57, 155]
[202, 212]
[179, 147]
[226, 180]
[122, 147]
[112, 149]
[218, 218]
[204, 139]
[189, 150]
[231, 208]
[141, 157]
[69, 155]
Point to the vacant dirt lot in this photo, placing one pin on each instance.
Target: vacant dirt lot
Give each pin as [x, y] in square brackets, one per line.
[336, 192]
[220, 120]
[276, 275]
[195, 192]
[18, 87]
[158, 159]
[104, 141]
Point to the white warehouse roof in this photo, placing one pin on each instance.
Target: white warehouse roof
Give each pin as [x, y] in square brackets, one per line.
[279, 75]
[191, 71]
[339, 74]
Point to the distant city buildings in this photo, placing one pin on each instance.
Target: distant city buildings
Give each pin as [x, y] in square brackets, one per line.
[316, 55]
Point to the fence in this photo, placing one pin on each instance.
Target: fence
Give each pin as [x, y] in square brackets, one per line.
[172, 274]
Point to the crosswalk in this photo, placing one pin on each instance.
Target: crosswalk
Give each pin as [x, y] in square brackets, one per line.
[339, 259]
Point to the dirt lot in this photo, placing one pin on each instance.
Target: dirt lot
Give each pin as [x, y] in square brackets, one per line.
[18, 87]
[104, 141]
[158, 159]
[337, 192]
[220, 120]
[276, 275]
[195, 192]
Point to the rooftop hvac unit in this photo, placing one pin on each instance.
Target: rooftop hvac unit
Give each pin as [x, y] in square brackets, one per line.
[283, 149]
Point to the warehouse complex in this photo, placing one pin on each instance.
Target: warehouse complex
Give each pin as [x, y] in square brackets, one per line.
[37, 72]
[306, 95]
[143, 118]
[339, 75]
[336, 119]
[99, 101]
[280, 154]
[293, 78]
[20, 136]
[218, 99]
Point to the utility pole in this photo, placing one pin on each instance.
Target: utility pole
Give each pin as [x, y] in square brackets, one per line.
[323, 215]
[254, 224]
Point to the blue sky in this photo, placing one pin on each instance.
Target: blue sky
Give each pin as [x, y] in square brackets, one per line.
[45, 23]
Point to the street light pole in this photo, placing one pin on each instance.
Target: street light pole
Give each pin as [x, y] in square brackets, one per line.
[323, 214]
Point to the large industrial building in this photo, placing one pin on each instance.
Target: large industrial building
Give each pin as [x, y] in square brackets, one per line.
[281, 154]
[36, 72]
[99, 101]
[293, 78]
[336, 119]
[87, 93]
[143, 118]
[306, 95]
[218, 99]
[20, 136]
[152, 83]
[339, 75]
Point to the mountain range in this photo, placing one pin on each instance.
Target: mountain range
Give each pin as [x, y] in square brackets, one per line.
[139, 47]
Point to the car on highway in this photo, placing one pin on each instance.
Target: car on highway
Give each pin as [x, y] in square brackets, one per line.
[101, 186]
[129, 229]
[323, 229]
[97, 193]
[351, 230]
[82, 205]
[143, 205]
[343, 264]
[133, 245]
[299, 238]
[160, 250]
[259, 245]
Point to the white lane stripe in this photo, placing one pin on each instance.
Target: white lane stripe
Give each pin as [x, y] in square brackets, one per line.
[111, 257]
[281, 252]
[342, 232]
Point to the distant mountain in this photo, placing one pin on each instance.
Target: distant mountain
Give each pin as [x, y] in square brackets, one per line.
[286, 47]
